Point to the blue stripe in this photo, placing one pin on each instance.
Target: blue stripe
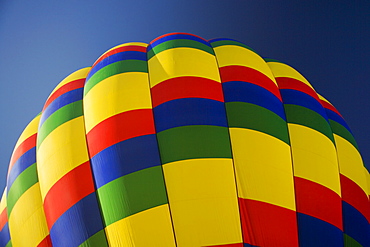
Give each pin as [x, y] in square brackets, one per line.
[189, 111]
[355, 224]
[4, 235]
[177, 36]
[125, 157]
[221, 39]
[126, 55]
[318, 233]
[295, 97]
[78, 223]
[239, 91]
[335, 117]
[26, 160]
[62, 100]
[249, 245]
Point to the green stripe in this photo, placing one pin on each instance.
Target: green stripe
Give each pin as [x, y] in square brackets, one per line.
[255, 117]
[21, 184]
[59, 117]
[114, 69]
[194, 141]
[179, 43]
[230, 42]
[271, 60]
[343, 132]
[97, 240]
[301, 115]
[132, 193]
[350, 242]
[9, 244]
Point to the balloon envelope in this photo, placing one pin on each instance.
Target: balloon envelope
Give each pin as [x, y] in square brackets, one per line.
[189, 142]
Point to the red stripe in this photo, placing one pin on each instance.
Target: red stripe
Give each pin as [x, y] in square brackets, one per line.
[291, 83]
[25, 146]
[120, 127]
[46, 242]
[330, 107]
[3, 219]
[186, 87]
[354, 195]
[67, 191]
[265, 224]
[64, 89]
[169, 34]
[318, 201]
[118, 50]
[242, 73]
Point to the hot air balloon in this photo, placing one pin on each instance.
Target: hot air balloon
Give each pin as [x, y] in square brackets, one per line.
[187, 142]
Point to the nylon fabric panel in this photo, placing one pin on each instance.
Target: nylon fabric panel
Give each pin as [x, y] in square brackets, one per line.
[354, 178]
[124, 150]
[27, 133]
[259, 218]
[356, 225]
[77, 75]
[201, 198]
[260, 146]
[315, 163]
[355, 196]
[283, 70]
[3, 209]
[193, 142]
[27, 222]
[196, 87]
[315, 232]
[110, 91]
[137, 46]
[351, 163]
[63, 150]
[314, 157]
[66, 181]
[134, 234]
[231, 55]
[189, 62]
[249, 152]
[4, 227]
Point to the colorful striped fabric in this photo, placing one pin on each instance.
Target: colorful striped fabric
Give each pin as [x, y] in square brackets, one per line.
[124, 151]
[190, 143]
[5, 240]
[25, 209]
[315, 165]
[263, 163]
[67, 187]
[194, 143]
[353, 179]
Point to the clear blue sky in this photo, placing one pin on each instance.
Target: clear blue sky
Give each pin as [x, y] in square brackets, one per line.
[41, 42]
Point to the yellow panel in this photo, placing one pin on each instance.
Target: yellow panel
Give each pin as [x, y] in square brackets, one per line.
[122, 45]
[61, 151]
[235, 55]
[151, 227]
[3, 201]
[263, 167]
[314, 157]
[283, 70]
[203, 202]
[183, 61]
[116, 94]
[79, 74]
[30, 130]
[27, 224]
[350, 162]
